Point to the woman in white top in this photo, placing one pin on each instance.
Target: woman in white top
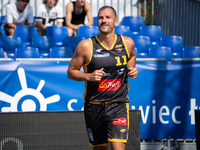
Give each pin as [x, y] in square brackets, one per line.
[17, 14]
[48, 14]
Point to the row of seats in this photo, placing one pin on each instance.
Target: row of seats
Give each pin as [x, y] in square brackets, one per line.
[66, 52]
[150, 36]
[43, 43]
[33, 52]
[175, 43]
[166, 52]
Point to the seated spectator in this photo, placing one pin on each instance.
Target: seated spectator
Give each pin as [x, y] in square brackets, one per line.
[48, 14]
[17, 14]
[75, 15]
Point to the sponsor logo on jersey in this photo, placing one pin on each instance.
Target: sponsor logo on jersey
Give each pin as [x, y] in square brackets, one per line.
[120, 121]
[102, 55]
[121, 71]
[118, 46]
[109, 85]
[99, 50]
[123, 130]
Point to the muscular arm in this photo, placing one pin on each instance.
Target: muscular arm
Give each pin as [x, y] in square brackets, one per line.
[68, 18]
[88, 9]
[81, 57]
[132, 71]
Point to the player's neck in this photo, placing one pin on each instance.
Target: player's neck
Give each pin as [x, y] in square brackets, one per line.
[107, 39]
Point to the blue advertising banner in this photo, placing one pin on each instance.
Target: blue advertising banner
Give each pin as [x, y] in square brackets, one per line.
[167, 93]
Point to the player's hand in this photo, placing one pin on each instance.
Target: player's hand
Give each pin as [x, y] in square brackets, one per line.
[97, 75]
[132, 73]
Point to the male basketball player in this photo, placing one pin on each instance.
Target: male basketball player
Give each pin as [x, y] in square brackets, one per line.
[108, 60]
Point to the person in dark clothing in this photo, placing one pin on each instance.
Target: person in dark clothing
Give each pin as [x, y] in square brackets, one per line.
[75, 15]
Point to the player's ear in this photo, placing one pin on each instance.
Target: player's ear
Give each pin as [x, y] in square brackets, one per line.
[116, 21]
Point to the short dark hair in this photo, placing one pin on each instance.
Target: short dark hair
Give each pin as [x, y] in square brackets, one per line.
[104, 7]
[24, 1]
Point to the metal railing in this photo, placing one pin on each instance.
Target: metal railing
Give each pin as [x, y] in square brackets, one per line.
[122, 7]
[178, 17]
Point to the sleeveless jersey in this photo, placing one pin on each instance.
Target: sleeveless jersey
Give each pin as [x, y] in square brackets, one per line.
[78, 18]
[113, 87]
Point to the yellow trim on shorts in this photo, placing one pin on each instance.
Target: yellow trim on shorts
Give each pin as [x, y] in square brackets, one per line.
[123, 140]
[105, 144]
[118, 140]
[127, 107]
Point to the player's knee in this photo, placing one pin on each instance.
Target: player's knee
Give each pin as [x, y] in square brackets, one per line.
[70, 31]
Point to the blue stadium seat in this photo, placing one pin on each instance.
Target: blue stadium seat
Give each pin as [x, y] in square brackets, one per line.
[72, 42]
[26, 33]
[58, 33]
[87, 31]
[95, 21]
[153, 32]
[2, 19]
[136, 51]
[191, 52]
[134, 22]
[2, 31]
[123, 30]
[175, 43]
[161, 52]
[2, 53]
[27, 52]
[9, 43]
[43, 43]
[61, 52]
[142, 43]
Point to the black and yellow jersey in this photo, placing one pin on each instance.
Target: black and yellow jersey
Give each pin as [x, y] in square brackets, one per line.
[113, 87]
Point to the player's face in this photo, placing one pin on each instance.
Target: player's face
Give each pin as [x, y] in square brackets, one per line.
[22, 4]
[81, 2]
[107, 20]
[51, 3]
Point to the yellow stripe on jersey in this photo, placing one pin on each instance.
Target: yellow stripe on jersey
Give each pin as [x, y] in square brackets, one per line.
[85, 67]
[125, 47]
[104, 45]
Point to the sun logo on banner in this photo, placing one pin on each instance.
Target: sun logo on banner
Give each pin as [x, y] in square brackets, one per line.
[27, 99]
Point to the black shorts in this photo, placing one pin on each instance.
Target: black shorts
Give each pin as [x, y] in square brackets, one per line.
[106, 122]
[6, 29]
